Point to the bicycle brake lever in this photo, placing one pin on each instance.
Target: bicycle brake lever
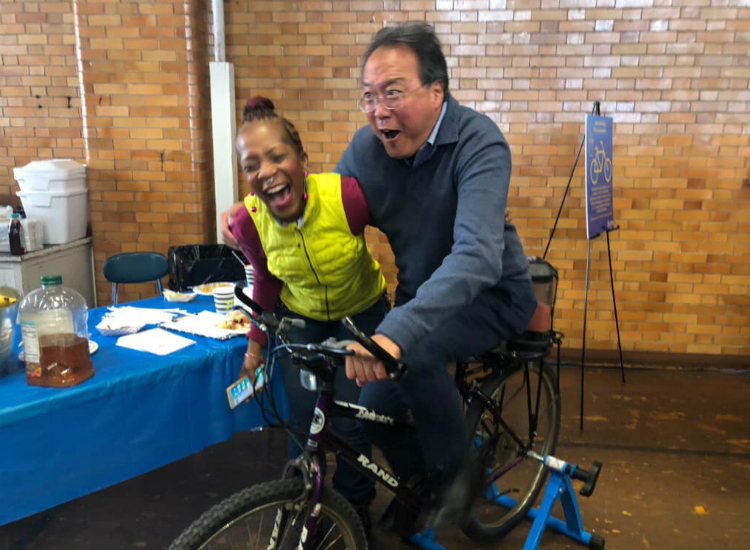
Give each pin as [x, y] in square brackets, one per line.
[394, 368]
[339, 344]
[287, 323]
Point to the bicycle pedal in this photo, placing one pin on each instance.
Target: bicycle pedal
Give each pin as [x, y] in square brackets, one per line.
[400, 520]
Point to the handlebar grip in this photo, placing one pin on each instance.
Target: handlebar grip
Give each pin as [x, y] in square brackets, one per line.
[265, 317]
[297, 323]
[589, 478]
[247, 300]
[394, 368]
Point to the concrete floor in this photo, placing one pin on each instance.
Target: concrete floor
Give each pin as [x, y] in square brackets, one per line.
[675, 446]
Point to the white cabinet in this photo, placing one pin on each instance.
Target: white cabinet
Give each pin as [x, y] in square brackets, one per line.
[73, 260]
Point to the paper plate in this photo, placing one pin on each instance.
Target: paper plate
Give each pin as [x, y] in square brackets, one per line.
[93, 346]
[207, 289]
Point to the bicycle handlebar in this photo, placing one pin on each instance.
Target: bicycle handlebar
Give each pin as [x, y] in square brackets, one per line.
[239, 293]
[267, 322]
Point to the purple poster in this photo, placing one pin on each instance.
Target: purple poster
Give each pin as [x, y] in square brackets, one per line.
[599, 205]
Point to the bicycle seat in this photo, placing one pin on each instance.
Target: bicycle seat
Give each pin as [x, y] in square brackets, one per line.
[532, 342]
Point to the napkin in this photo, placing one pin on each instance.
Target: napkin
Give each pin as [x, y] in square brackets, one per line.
[157, 341]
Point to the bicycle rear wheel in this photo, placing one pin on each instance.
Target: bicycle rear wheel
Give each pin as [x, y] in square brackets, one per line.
[271, 515]
[522, 404]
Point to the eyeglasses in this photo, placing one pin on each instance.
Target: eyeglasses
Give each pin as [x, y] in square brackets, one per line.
[393, 100]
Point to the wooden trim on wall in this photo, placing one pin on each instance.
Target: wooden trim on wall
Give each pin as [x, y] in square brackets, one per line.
[597, 357]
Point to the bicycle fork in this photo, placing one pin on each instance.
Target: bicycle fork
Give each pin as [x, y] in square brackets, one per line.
[308, 505]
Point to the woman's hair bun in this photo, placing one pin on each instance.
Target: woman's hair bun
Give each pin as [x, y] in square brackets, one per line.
[258, 105]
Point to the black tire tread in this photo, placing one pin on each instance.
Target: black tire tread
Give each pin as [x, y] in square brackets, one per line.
[210, 522]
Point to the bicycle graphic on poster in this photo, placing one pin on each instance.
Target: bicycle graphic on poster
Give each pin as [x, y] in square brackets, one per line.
[600, 163]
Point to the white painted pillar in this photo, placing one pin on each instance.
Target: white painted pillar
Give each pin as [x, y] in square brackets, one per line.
[223, 129]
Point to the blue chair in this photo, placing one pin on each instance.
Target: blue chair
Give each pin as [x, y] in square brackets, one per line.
[135, 267]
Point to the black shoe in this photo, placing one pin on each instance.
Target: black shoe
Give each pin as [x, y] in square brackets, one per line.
[455, 491]
[401, 520]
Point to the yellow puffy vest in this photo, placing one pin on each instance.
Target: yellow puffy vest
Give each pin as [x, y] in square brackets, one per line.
[327, 272]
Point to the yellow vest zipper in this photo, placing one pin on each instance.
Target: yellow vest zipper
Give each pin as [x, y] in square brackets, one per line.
[309, 261]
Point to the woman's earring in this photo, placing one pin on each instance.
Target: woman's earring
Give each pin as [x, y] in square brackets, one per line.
[252, 193]
[305, 182]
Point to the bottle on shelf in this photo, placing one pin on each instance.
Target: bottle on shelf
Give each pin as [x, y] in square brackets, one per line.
[54, 332]
[15, 229]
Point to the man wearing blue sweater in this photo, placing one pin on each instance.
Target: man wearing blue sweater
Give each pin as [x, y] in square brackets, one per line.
[436, 177]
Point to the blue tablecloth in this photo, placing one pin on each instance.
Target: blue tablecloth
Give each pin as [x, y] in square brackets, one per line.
[139, 411]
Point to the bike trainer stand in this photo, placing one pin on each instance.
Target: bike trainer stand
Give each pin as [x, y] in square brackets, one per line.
[559, 487]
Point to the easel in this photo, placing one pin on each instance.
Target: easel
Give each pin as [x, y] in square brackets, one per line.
[595, 111]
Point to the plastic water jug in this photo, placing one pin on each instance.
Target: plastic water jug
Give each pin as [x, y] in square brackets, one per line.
[54, 333]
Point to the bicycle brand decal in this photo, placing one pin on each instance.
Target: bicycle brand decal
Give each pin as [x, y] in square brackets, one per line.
[276, 529]
[367, 414]
[377, 470]
[302, 538]
[318, 421]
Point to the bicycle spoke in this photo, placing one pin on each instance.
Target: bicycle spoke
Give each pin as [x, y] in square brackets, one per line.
[330, 544]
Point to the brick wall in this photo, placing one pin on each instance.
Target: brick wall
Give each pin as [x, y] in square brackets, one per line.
[143, 118]
[40, 114]
[674, 75]
[144, 75]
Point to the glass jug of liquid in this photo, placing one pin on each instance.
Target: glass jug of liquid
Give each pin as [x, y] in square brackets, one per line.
[54, 332]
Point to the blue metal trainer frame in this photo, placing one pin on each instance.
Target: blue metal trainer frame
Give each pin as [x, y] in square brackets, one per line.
[559, 487]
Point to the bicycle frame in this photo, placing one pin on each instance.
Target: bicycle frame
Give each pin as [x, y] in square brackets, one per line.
[468, 392]
[321, 438]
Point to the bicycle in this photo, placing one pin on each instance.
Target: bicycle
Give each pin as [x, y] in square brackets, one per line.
[298, 511]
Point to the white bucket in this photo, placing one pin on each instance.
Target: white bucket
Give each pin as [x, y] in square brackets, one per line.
[57, 175]
[63, 214]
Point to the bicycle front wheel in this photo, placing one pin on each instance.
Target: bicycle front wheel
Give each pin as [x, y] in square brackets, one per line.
[272, 515]
[531, 412]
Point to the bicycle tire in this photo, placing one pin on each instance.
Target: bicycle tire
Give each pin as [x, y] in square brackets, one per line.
[249, 518]
[489, 521]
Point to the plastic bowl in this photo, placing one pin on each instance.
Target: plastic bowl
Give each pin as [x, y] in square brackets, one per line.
[172, 296]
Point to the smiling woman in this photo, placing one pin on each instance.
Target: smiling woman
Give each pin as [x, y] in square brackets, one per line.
[304, 235]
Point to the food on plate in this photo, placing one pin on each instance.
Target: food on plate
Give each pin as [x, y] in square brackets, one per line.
[235, 320]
